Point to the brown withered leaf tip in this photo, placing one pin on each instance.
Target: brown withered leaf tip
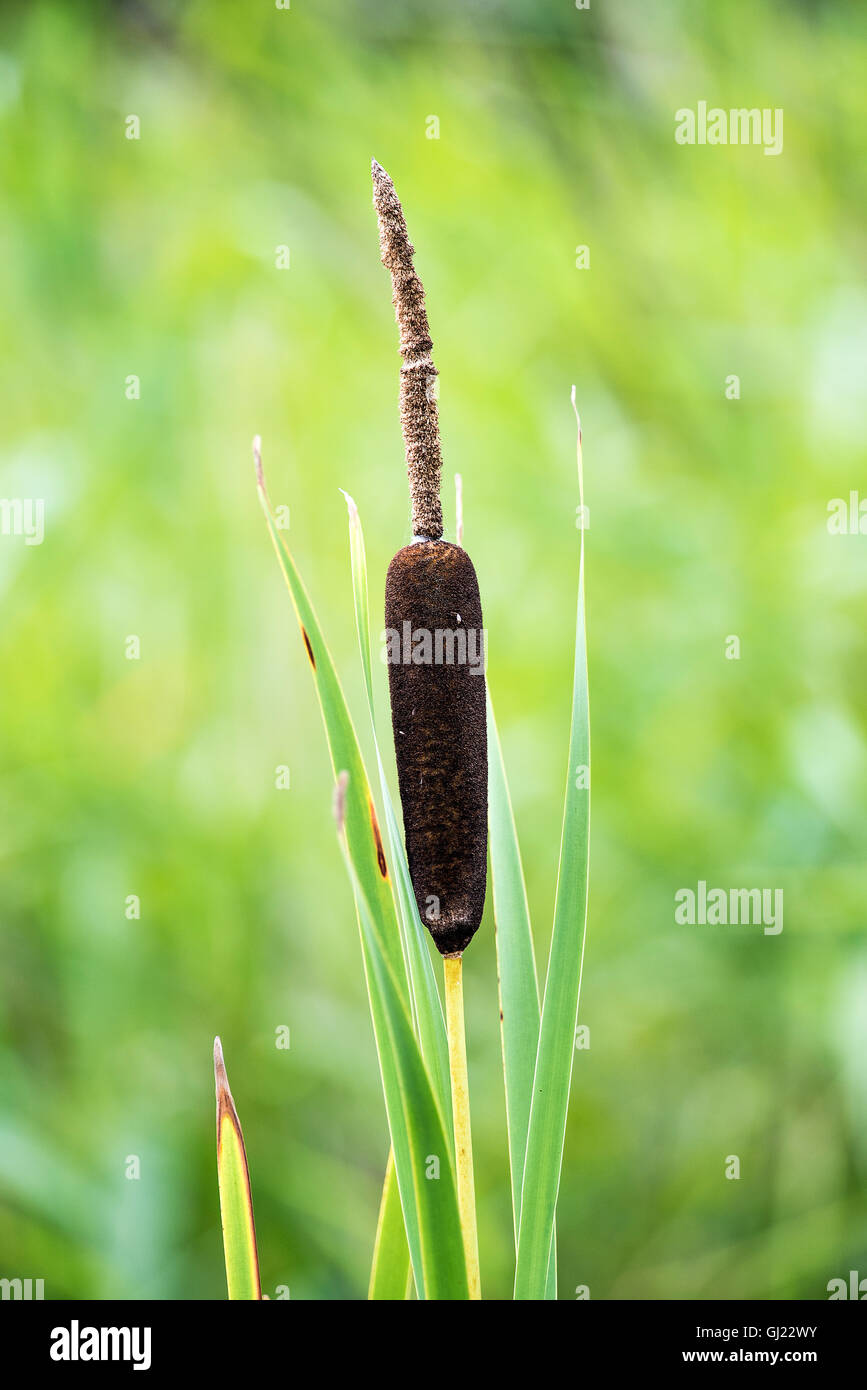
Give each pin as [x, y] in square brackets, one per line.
[419, 415]
[226, 1110]
[225, 1103]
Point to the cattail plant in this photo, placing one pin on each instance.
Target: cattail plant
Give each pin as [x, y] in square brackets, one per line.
[454, 795]
[433, 622]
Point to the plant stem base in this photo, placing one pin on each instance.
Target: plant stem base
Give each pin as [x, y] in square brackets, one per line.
[453, 966]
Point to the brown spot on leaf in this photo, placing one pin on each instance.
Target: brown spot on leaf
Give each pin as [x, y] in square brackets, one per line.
[309, 648]
[380, 852]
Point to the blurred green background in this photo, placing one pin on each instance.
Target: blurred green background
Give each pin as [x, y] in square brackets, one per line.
[156, 258]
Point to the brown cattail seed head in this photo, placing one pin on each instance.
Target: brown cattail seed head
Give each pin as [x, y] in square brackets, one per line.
[418, 406]
[433, 612]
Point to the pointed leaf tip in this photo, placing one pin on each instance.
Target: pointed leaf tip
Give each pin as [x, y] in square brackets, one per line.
[221, 1080]
[577, 416]
[225, 1103]
[257, 460]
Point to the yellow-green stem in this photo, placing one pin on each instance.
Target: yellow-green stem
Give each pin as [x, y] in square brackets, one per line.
[461, 1112]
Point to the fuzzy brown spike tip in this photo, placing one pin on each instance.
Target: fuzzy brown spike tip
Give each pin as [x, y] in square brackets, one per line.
[419, 415]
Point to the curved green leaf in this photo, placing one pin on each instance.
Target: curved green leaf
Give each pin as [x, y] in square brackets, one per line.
[362, 827]
[390, 1275]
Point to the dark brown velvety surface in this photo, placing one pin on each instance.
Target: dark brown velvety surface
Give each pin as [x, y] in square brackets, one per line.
[440, 738]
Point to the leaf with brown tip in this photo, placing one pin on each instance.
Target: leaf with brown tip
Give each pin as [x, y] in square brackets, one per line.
[236, 1198]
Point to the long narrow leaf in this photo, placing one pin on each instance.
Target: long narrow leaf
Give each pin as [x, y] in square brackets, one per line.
[516, 974]
[553, 1073]
[236, 1199]
[362, 828]
[516, 964]
[427, 1006]
[414, 1116]
[390, 1271]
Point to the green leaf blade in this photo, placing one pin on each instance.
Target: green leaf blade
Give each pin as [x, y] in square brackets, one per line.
[553, 1073]
[390, 1273]
[516, 963]
[428, 1198]
[362, 827]
[236, 1198]
[516, 976]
